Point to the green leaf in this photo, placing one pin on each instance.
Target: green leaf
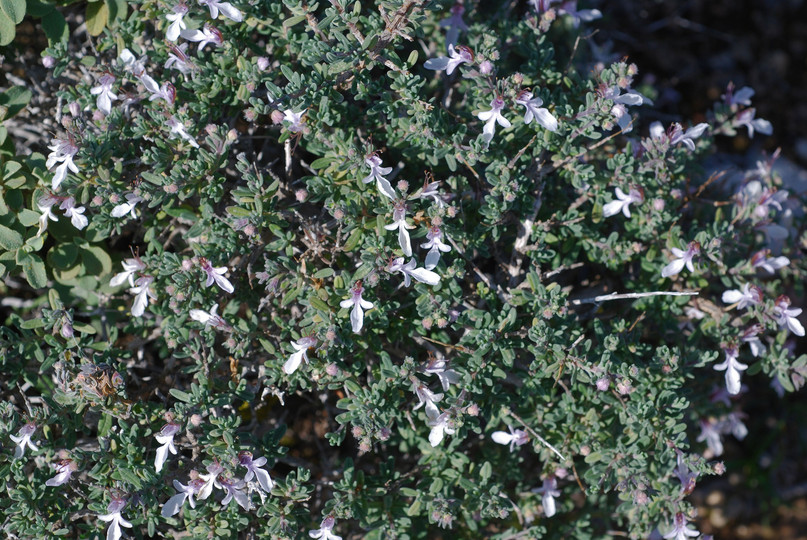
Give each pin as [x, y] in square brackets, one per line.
[55, 27]
[324, 273]
[10, 239]
[353, 240]
[34, 270]
[97, 18]
[30, 324]
[83, 328]
[16, 97]
[322, 162]
[96, 261]
[318, 304]
[180, 395]
[7, 29]
[37, 8]
[15, 9]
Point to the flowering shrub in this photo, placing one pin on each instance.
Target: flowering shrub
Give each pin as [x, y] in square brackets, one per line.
[370, 271]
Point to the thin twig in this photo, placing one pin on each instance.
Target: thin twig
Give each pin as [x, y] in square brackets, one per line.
[534, 434]
[617, 296]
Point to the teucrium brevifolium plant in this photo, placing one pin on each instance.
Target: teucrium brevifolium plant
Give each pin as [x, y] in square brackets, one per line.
[348, 265]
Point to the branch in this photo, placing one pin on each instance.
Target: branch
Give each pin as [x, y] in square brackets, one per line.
[617, 296]
[534, 434]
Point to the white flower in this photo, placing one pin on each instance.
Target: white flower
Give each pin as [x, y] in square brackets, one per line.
[439, 424]
[64, 469]
[166, 91]
[23, 439]
[178, 58]
[45, 204]
[359, 304]
[300, 353]
[435, 245]
[733, 368]
[711, 435]
[128, 207]
[514, 438]
[225, 8]
[166, 438]
[751, 295]
[254, 469]
[115, 519]
[177, 24]
[143, 292]
[681, 530]
[131, 63]
[104, 93]
[621, 103]
[684, 258]
[211, 318]
[456, 56]
[492, 117]
[740, 97]
[454, 23]
[750, 336]
[430, 190]
[425, 397]
[535, 111]
[210, 480]
[75, 213]
[787, 317]
[746, 118]
[438, 366]
[178, 128]
[174, 504]
[686, 477]
[677, 134]
[409, 271]
[216, 275]
[206, 35]
[399, 222]
[569, 7]
[235, 490]
[130, 266]
[378, 173]
[549, 490]
[623, 202]
[325, 531]
[62, 152]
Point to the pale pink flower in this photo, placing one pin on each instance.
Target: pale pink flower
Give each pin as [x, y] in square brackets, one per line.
[216, 275]
[621, 103]
[166, 92]
[747, 118]
[438, 366]
[235, 490]
[64, 469]
[586, 15]
[750, 336]
[711, 435]
[178, 128]
[75, 213]
[425, 397]
[294, 121]
[686, 477]
[210, 480]
[761, 259]
[681, 530]
[254, 469]
[178, 58]
[679, 136]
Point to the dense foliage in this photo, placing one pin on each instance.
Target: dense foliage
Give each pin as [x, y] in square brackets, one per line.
[376, 269]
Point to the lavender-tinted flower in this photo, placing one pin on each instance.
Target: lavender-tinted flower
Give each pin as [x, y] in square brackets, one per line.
[300, 354]
[734, 424]
[492, 117]
[23, 439]
[75, 213]
[711, 435]
[425, 397]
[115, 519]
[64, 468]
[378, 173]
[128, 207]
[455, 24]
[174, 504]
[621, 104]
[104, 93]
[178, 129]
[549, 490]
[294, 120]
[216, 275]
[770, 198]
[732, 367]
[677, 134]
[225, 8]
[751, 295]
[681, 530]
[254, 469]
[130, 266]
[143, 292]
[517, 437]
[45, 204]
[325, 531]
[211, 318]
[684, 258]
[535, 111]
[623, 202]
[740, 97]
[210, 480]
[235, 490]
[131, 63]
[166, 92]
[166, 438]
[409, 271]
[438, 366]
[746, 118]
[786, 317]
[585, 15]
[687, 477]
[62, 152]
[435, 246]
[206, 35]
[178, 58]
[456, 56]
[358, 304]
[399, 222]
